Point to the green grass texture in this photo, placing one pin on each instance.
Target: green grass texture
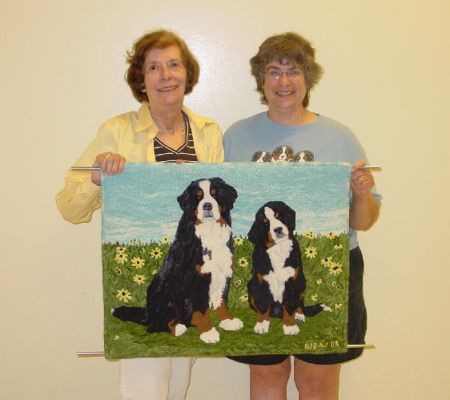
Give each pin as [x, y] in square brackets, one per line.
[129, 268]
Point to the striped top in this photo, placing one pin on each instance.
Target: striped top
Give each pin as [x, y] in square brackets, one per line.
[186, 152]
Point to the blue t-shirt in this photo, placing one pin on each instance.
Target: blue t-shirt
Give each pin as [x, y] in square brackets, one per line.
[327, 139]
[258, 138]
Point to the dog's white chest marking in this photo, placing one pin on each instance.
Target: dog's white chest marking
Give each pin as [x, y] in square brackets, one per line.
[278, 254]
[281, 273]
[217, 257]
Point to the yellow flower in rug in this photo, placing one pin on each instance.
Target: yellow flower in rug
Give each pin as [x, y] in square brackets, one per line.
[237, 282]
[139, 279]
[310, 252]
[314, 297]
[244, 298]
[335, 269]
[239, 241]
[121, 250]
[331, 235]
[309, 235]
[165, 240]
[121, 258]
[124, 295]
[243, 262]
[137, 262]
[338, 246]
[156, 253]
[327, 261]
[338, 306]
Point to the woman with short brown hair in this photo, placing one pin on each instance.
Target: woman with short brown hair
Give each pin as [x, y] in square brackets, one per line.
[161, 72]
[286, 71]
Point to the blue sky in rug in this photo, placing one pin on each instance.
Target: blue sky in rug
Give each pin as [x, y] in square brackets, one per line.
[141, 203]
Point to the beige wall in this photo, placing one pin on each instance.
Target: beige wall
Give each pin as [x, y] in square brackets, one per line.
[387, 76]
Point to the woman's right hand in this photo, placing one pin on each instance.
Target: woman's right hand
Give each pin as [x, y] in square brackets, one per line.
[109, 163]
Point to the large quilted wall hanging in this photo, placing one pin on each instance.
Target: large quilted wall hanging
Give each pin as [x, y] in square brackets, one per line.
[225, 259]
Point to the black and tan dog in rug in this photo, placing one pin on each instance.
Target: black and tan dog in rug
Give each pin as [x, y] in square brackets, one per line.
[277, 287]
[196, 273]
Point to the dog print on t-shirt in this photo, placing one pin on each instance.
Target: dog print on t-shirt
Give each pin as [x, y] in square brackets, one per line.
[282, 154]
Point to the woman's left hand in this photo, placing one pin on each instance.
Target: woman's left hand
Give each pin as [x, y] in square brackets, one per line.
[362, 180]
[364, 209]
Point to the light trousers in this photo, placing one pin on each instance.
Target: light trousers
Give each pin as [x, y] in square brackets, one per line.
[155, 378]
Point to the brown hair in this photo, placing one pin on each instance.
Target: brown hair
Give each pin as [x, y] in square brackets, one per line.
[159, 39]
[286, 47]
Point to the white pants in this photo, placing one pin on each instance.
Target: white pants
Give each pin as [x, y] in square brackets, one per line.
[156, 378]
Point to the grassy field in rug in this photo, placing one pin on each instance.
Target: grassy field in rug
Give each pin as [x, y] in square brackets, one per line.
[129, 268]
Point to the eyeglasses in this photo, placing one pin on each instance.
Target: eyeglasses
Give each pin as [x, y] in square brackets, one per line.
[277, 74]
[158, 68]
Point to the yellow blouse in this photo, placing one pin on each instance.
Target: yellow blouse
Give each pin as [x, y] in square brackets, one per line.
[131, 135]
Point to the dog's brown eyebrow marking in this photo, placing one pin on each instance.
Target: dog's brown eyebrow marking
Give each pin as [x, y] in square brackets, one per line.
[199, 193]
[213, 191]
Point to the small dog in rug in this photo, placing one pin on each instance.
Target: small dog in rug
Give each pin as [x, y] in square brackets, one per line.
[196, 273]
[277, 287]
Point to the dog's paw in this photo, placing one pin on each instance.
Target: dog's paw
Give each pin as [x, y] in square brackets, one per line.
[212, 336]
[291, 329]
[231, 324]
[262, 327]
[326, 308]
[180, 329]
[300, 317]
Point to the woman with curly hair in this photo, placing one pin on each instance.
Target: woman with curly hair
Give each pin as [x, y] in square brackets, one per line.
[286, 71]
